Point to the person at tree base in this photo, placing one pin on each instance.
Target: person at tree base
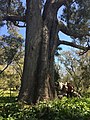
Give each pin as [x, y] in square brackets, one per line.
[64, 90]
[69, 90]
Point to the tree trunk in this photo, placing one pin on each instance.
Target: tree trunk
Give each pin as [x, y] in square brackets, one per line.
[46, 72]
[32, 46]
[41, 41]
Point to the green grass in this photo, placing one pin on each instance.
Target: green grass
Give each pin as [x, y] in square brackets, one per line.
[64, 109]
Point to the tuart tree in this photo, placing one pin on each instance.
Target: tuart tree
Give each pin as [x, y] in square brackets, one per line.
[42, 28]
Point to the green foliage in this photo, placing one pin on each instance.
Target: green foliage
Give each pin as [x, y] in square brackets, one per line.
[9, 47]
[64, 109]
[11, 60]
[76, 15]
[11, 6]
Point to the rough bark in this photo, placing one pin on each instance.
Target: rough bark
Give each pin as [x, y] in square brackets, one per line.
[38, 77]
[32, 46]
[49, 44]
[46, 87]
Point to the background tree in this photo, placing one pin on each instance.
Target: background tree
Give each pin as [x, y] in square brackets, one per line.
[11, 61]
[77, 68]
[42, 39]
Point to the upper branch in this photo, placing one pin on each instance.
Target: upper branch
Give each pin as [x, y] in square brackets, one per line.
[73, 45]
[55, 5]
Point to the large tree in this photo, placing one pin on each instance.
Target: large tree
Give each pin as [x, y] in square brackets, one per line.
[42, 40]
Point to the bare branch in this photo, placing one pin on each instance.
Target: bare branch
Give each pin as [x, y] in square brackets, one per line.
[5, 67]
[73, 45]
[14, 18]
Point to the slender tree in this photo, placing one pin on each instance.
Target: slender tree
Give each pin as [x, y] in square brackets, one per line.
[42, 27]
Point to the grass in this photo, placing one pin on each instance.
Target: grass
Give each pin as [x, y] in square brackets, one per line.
[64, 109]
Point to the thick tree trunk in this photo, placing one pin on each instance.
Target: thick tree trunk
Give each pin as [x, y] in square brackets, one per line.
[41, 41]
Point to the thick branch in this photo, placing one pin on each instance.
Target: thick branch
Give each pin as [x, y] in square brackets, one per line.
[55, 5]
[67, 31]
[59, 2]
[73, 45]
[14, 18]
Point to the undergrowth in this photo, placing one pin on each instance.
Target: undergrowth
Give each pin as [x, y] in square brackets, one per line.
[64, 109]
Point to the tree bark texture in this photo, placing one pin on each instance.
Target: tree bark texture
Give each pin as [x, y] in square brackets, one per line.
[32, 46]
[37, 81]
